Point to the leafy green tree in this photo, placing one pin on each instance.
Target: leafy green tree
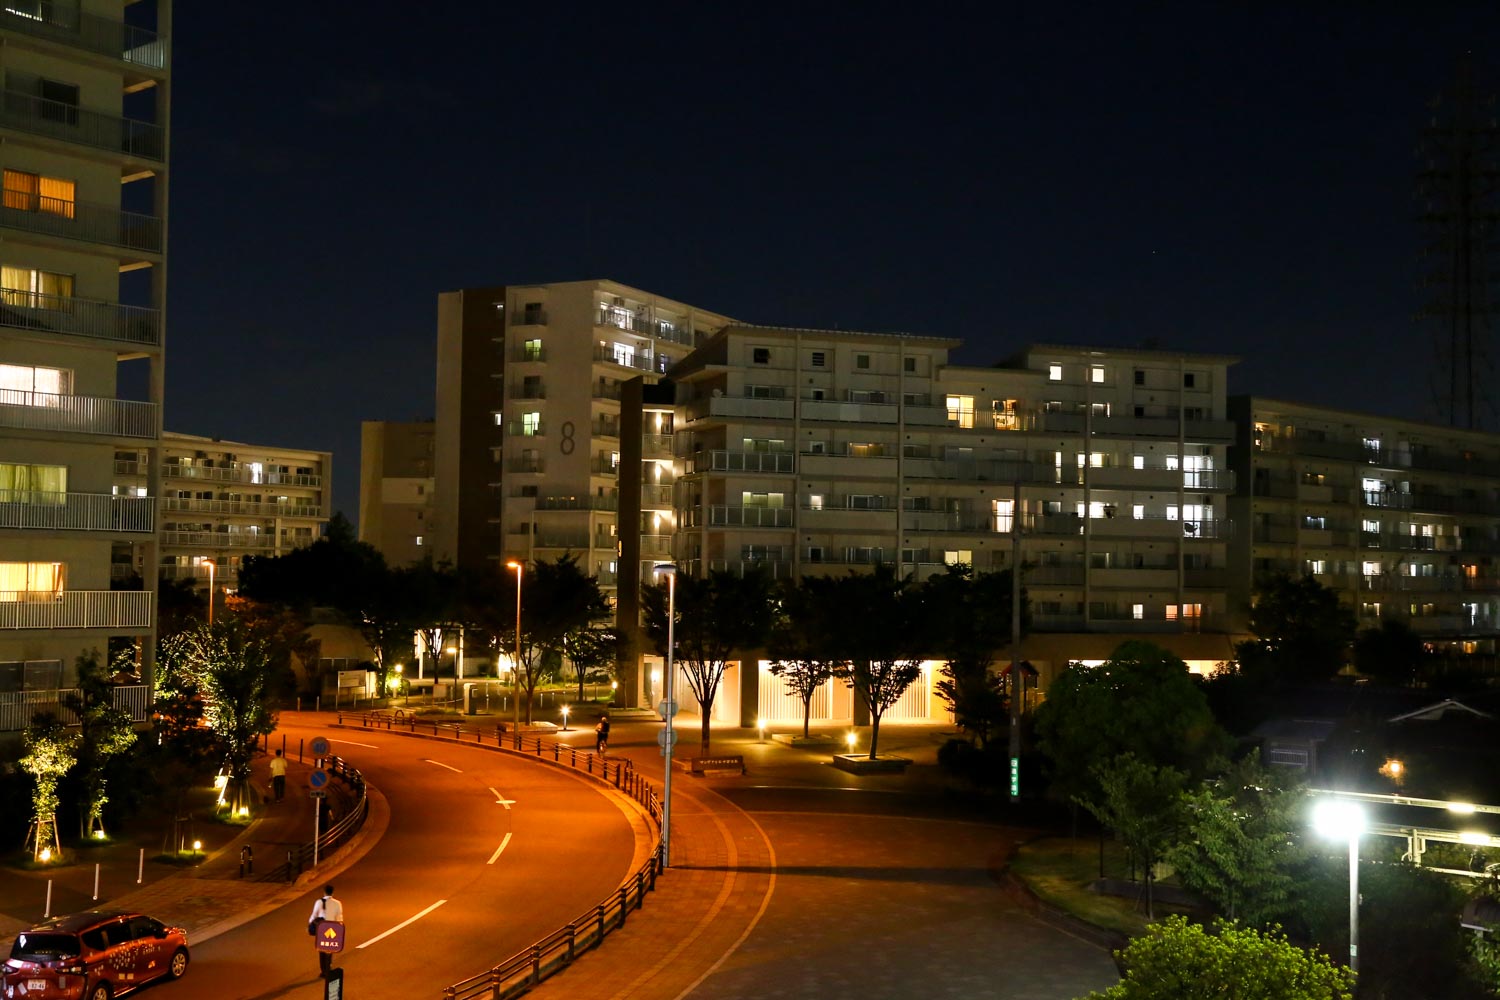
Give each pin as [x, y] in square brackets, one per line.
[591, 648]
[969, 619]
[800, 642]
[184, 750]
[104, 733]
[1178, 960]
[51, 750]
[234, 669]
[717, 616]
[883, 632]
[1142, 700]
[1302, 630]
[1392, 653]
[1142, 804]
[1242, 842]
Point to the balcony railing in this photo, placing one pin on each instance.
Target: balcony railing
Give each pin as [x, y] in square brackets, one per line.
[656, 496]
[83, 126]
[523, 391]
[65, 24]
[777, 569]
[18, 708]
[123, 609]
[528, 317]
[89, 222]
[656, 545]
[743, 461]
[241, 507]
[79, 317]
[640, 361]
[528, 354]
[750, 517]
[219, 540]
[219, 474]
[76, 511]
[519, 428]
[611, 502]
[50, 411]
[643, 325]
[562, 540]
[604, 429]
[604, 467]
[525, 465]
[656, 444]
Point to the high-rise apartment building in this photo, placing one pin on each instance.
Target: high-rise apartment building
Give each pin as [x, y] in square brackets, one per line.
[396, 489]
[84, 120]
[527, 452]
[224, 500]
[1401, 518]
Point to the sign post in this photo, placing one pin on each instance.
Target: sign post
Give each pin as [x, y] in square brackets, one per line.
[317, 781]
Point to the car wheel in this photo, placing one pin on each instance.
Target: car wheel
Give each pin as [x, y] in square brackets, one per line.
[178, 965]
[99, 992]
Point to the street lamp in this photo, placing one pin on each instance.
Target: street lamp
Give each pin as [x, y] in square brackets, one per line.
[515, 668]
[565, 718]
[1338, 819]
[669, 707]
[209, 562]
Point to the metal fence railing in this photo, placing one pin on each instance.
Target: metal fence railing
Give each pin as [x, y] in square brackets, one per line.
[544, 958]
[299, 858]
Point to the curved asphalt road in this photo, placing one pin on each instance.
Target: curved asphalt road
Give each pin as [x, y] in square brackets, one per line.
[485, 853]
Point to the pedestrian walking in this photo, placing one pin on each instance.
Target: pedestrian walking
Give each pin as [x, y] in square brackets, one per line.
[327, 908]
[278, 776]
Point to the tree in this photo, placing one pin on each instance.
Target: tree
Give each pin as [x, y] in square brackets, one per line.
[1178, 960]
[590, 648]
[1392, 653]
[434, 598]
[717, 616]
[50, 752]
[104, 732]
[1242, 842]
[969, 619]
[183, 751]
[1302, 631]
[1142, 804]
[1141, 700]
[235, 670]
[882, 632]
[800, 640]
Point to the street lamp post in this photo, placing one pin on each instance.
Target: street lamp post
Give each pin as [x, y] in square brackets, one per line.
[1338, 819]
[209, 562]
[668, 708]
[515, 667]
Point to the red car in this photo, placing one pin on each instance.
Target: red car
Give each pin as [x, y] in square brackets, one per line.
[93, 955]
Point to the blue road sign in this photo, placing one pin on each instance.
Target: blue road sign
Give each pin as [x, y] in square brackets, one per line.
[317, 779]
[320, 746]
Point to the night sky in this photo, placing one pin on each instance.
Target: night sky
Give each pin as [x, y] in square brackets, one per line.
[1228, 178]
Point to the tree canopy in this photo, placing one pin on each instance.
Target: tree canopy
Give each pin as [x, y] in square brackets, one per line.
[1302, 630]
[883, 631]
[801, 642]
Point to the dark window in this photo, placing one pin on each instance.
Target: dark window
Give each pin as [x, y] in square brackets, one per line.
[910, 364]
[1188, 379]
[819, 359]
[1140, 411]
[861, 361]
[533, 313]
[59, 101]
[1140, 377]
[40, 947]
[761, 355]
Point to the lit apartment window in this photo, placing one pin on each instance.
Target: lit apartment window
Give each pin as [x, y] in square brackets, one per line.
[34, 581]
[531, 350]
[961, 410]
[35, 193]
[1369, 568]
[1317, 567]
[1370, 525]
[614, 460]
[862, 361]
[25, 385]
[955, 557]
[1192, 611]
[1096, 373]
[26, 286]
[1054, 373]
[1005, 415]
[623, 354]
[1004, 511]
[419, 539]
[1137, 461]
[1370, 609]
[815, 501]
[33, 483]
[498, 418]
[1138, 611]
[866, 450]
[1172, 612]
[1138, 511]
[531, 424]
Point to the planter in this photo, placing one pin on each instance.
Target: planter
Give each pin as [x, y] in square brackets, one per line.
[857, 763]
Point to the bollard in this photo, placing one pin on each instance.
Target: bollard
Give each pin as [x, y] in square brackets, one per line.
[140, 871]
[299, 749]
[96, 880]
[247, 861]
[49, 900]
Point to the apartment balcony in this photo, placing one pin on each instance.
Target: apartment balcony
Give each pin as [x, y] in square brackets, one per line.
[87, 222]
[524, 464]
[639, 361]
[65, 24]
[521, 429]
[659, 445]
[1159, 526]
[605, 390]
[31, 509]
[1205, 579]
[655, 496]
[741, 461]
[816, 465]
[604, 466]
[656, 546]
[47, 411]
[1392, 583]
[527, 355]
[1131, 578]
[1122, 620]
[528, 317]
[1125, 478]
[642, 325]
[987, 471]
[573, 540]
[216, 540]
[241, 507]
[522, 391]
[1043, 621]
[739, 406]
[849, 413]
[605, 503]
[221, 474]
[604, 429]
[724, 516]
[1053, 576]
[133, 325]
[776, 569]
[1473, 465]
[124, 468]
[967, 522]
[82, 126]
[118, 609]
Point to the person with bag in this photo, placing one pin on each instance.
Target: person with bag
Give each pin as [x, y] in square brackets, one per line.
[326, 910]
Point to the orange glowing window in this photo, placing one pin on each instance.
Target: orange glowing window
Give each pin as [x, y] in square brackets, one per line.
[35, 193]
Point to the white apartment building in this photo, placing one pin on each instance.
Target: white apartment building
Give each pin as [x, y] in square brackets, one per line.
[527, 451]
[396, 489]
[84, 121]
[225, 500]
[1402, 518]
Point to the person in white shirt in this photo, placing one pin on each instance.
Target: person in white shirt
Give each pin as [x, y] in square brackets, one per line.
[326, 908]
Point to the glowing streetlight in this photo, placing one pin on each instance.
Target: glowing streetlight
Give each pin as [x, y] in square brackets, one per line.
[1339, 819]
[565, 718]
[668, 708]
[850, 739]
[515, 670]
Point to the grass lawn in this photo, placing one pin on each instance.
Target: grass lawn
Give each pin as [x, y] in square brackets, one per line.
[1060, 869]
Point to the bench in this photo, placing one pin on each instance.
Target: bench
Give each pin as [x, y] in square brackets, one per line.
[726, 764]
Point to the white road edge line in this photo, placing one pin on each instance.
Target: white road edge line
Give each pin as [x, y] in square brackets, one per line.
[441, 764]
[367, 746]
[496, 856]
[404, 923]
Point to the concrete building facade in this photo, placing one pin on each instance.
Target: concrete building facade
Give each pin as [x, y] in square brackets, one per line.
[84, 125]
[396, 489]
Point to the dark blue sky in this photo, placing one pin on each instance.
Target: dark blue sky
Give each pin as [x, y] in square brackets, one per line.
[1228, 178]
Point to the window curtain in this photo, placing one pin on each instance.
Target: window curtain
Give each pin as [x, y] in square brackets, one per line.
[33, 483]
[57, 196]
[21, 190]
[30, 581]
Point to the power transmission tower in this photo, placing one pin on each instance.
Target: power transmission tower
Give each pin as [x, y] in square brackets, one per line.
[1459, 186]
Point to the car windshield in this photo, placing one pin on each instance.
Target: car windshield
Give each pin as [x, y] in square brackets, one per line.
[31, 947]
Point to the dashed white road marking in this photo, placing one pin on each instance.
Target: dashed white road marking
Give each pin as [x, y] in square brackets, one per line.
[408, 920]
[496, 856]
[441, 764]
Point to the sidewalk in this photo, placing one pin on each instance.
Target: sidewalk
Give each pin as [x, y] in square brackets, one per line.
[208, 897]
